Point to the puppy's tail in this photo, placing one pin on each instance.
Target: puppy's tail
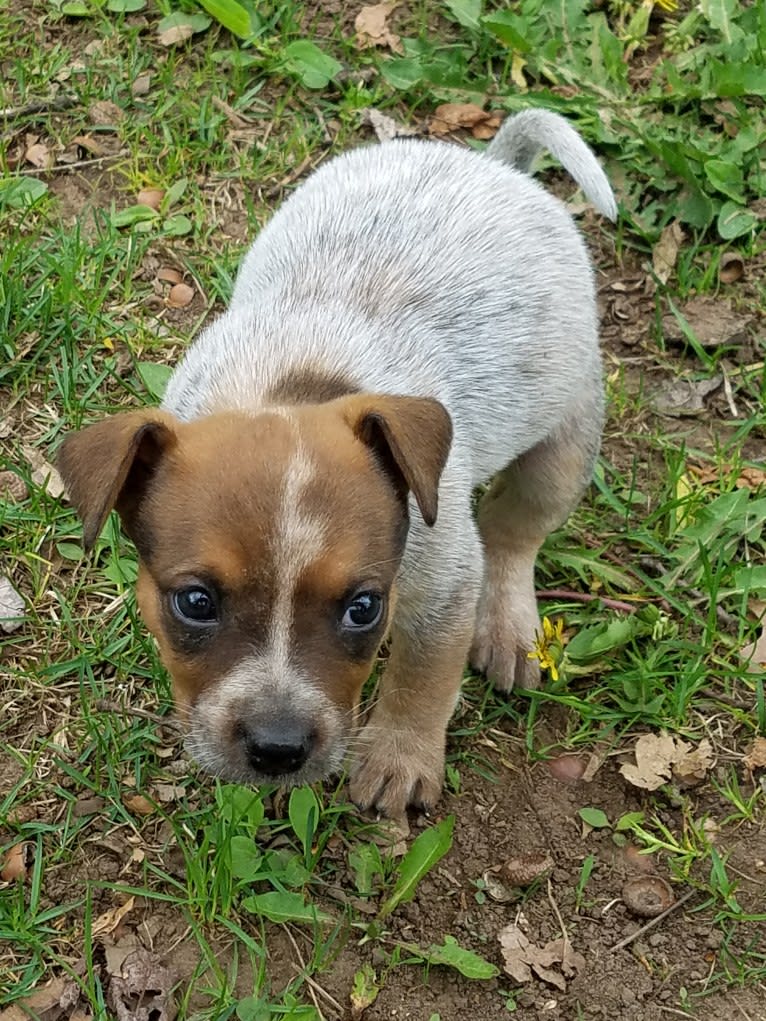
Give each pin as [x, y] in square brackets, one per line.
[522, 137]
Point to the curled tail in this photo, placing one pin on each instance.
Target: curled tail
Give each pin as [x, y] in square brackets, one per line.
[522, 137]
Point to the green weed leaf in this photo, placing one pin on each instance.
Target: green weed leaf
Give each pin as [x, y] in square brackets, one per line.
[132, 215]
[125, 6]
[155, 377]
[509, 29]
[402, 72]
[628, 821]
[429, 848]
[726, 178]
[313, 66]
[594, 817]
[734, 221]
[232, 15]
[465, 12]
[246, 859]
[451, 954]
[718, 14]
[365, 862]
[303, 811]
[283, 906]
[196, 22]
[21, 192]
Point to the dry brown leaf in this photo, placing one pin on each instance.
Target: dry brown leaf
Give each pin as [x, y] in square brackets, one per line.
[692, 768]
[176, 34]
[141, 85]
[372, 29]
[87, 806]
[117, 951]
[143, 980]
[522, 958]
[655, 755]
[151, 197]
[11, 607]
[754, 654]
[751, 478]
[453, 116]
[59, 995]
[39, 155]
[712, 320]
[104, 113]
[665, 254]
[89, 144]
[756, 757]
[167, 792]
[110, 919]
[138, 804]
[43, 472]
[731, 268]
[385, 127]
[14, 864]
[685, 398]
[180, 296]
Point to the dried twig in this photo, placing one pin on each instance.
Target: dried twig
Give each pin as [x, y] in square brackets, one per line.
[587, 597]
[39, 106]
[651, 923]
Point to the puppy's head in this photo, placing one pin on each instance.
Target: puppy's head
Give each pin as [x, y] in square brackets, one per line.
[269, 546]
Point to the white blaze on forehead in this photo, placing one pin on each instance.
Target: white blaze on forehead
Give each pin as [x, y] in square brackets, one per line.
[299, 536]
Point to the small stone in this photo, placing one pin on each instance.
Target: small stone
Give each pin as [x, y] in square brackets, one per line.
[180, 295]
[627, 995]
[714, 939]
[12, 488]
[656, 939]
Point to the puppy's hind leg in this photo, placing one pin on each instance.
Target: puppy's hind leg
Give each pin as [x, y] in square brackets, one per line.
[526, 501]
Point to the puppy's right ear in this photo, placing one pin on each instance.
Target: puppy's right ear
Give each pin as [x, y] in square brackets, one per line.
[108, 465]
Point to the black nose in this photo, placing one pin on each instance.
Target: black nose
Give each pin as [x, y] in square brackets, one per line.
[279, 748]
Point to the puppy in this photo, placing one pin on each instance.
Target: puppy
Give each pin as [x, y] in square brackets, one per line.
[415, 320]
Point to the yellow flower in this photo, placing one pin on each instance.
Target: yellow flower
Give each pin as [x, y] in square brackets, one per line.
[546, 643]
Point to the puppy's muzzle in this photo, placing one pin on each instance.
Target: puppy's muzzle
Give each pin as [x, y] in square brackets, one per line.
[277, 748]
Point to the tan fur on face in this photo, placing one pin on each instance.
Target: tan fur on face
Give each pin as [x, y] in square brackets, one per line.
[285, 516]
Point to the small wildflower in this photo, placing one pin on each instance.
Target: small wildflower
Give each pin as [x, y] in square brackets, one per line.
[546, 644]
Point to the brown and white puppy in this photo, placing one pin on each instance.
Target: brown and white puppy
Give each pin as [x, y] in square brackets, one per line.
[415, 320]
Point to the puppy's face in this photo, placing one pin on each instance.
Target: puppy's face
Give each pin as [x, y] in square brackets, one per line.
[269, 547]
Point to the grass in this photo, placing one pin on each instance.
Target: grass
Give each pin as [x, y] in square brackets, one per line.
[95, 787]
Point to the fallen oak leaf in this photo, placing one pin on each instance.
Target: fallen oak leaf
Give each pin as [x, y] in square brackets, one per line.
[146, 981]
[385, 127]
[655, 755]
[756, 757]
[522, 958]
[372, 28]
[692, 767]
[451, 117]
[665, 254]
[754, 654]
[11, 607]
[108, 922]
[15, 864]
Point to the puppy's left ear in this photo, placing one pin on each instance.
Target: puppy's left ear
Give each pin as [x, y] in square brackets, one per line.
[108, 465]
[411, 438]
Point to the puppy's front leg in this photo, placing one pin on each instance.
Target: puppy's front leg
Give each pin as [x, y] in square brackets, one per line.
[399, 754]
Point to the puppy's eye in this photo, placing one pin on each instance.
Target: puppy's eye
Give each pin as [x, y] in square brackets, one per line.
[363, 612]
[194, 605]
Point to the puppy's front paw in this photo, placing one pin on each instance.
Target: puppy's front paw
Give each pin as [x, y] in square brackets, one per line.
[501, 650]
[394, 770]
